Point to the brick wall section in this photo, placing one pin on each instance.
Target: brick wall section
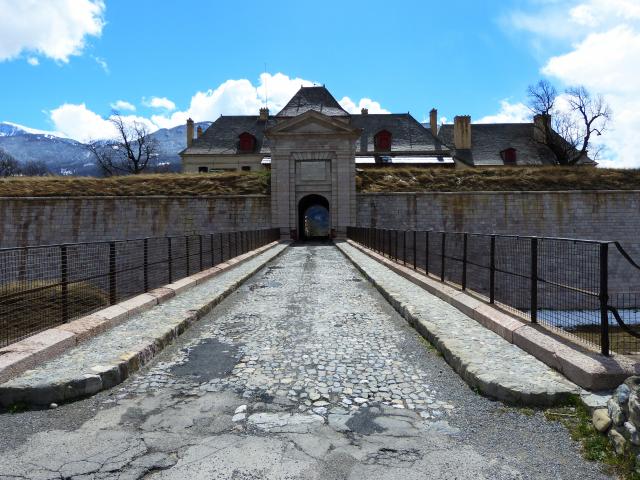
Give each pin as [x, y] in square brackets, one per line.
[595, 215]
[598, 215]
[38, 221]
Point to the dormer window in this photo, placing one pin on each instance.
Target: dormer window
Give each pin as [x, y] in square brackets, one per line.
[382, 141]
[247, 143]
[509, 156]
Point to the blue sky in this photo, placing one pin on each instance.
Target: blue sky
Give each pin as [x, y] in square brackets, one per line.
[65, 63]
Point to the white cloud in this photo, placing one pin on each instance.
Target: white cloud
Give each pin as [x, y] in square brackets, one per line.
[103, 64]
[121, 105]
[33, 61]
[351, 107]
[509, 113]
[160, 102]
[56, 29]
[602, 53]
[78, 122]
[232, 97]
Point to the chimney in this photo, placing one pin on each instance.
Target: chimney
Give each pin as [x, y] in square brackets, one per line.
[433, 121]
[364, 111]
[462, 132]
[264, 114]
[199, 131]
[189, 132]
[541, 125]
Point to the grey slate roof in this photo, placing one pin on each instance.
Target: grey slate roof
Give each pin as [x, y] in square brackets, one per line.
[407, 134]
[313, 98]
[488, 140]
[222, 136]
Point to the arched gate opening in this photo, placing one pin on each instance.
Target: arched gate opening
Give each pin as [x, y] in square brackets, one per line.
[314, 221]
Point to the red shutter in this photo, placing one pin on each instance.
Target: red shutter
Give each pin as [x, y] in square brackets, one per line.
[382, 141]
[510, 156]
[247, 142]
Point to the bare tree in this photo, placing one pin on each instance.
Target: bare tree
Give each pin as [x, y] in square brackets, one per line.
[9, 166]
[132, 152]
[568, 130]
[35, 168]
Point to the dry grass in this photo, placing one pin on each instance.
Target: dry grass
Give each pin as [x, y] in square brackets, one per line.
[159, 184]
[30, 307]
[496, 179]
[368, 180]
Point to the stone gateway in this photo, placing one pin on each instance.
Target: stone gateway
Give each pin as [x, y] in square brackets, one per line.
[313, 147]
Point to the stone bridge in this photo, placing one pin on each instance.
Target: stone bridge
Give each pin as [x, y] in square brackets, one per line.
[304, 371]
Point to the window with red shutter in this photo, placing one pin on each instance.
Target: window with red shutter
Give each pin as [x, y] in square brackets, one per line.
[247, 142]
[382, 141]
[509, 156]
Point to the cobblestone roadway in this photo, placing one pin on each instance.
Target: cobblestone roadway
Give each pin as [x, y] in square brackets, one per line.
[305, 372]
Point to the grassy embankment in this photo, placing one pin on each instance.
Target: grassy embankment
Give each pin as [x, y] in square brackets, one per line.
[369, 180]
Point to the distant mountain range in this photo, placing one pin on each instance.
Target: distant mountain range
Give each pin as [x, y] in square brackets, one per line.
[64, 156]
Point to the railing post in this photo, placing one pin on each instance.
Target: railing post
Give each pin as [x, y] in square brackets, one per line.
[426, 252]
[396, 248]
[64, 282]
[200, 252]
[113, 296]
[404, 247]
[145, 264]
[213, 258]
[465, 239]
[170, 259]
[604, 298]
[221, 247]
[442, 254]
[492, 270]
[415, 250]
[534, 280]
[188, 254]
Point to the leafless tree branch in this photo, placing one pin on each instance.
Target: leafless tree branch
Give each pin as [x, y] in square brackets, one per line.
[568, 132]
[132, 152]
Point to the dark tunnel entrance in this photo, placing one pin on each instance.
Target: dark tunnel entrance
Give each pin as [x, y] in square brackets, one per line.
[314, 222]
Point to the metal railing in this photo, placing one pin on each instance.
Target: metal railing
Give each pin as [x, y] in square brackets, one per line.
[45, 286]
[559, 283]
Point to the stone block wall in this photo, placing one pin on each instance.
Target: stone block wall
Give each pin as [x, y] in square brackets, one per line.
[43, 221]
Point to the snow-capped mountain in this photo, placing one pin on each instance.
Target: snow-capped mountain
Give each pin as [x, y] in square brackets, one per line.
[64, 156]
[10, 129]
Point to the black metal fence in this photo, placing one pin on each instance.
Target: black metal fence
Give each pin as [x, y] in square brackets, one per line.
[561, 284]
[45, 286]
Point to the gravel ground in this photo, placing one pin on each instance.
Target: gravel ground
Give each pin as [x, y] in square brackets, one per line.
[304, 372]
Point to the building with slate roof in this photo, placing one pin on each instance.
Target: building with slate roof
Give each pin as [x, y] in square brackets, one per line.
[498, 144]
[313, 147]
[239, 142]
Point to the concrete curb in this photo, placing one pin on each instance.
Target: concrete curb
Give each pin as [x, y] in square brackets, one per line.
[44, 346]
[108, 376]
[471, 374]
[587, 369]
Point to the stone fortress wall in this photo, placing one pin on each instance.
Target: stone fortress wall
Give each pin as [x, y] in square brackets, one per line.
[46, 221]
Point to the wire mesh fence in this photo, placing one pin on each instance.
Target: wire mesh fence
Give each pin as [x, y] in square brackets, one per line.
[45, 286]
[561, 284]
